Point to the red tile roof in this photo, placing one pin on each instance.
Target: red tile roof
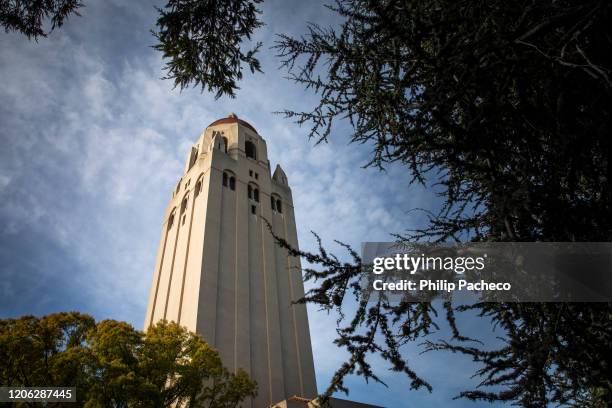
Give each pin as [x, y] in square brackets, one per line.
[232, 118]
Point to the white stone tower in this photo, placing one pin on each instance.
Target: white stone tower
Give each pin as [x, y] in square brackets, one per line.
[218, 271]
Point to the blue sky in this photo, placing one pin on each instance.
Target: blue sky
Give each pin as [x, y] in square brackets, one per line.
[93, 141]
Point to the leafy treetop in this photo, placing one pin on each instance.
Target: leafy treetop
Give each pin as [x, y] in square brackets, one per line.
[111, 364]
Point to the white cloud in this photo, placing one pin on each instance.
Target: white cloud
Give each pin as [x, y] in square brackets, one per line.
[4, 181]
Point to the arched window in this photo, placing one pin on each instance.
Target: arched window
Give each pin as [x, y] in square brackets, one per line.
[225, 144]
[229, 180]
[183, 208]
[194, 156]
[253, 192]
[184, 203]
[171, 219]
[198, 188]
[276, 204]
[249, 148]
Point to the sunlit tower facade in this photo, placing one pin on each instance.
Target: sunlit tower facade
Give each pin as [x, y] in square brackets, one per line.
[218, 270]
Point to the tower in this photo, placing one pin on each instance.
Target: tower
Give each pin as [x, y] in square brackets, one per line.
[218, 271]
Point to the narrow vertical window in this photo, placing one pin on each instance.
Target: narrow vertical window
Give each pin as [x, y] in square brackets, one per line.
[256, 195]
[249, 148]
[279, 207]
[224, 179]
[184, 204]
[249, 191]
[253, 209]
[232, 183]
[273, 203]
[194, 157]
[225, 144]
[171, 219]
[198, 188]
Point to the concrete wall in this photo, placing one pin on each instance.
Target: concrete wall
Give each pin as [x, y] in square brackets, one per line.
[220, 274]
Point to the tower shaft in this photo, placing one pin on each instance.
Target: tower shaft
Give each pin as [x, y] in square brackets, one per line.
[219, 272]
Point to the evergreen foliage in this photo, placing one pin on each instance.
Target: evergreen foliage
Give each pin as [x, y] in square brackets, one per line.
[505, 107]
[201, 39]
[28, 16]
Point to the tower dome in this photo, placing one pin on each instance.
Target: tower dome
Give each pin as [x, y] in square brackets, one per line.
[232, 118]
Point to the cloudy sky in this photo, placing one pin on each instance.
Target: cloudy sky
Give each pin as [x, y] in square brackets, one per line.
[92, 142]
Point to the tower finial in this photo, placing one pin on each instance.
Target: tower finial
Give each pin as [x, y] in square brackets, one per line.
[233, 115]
